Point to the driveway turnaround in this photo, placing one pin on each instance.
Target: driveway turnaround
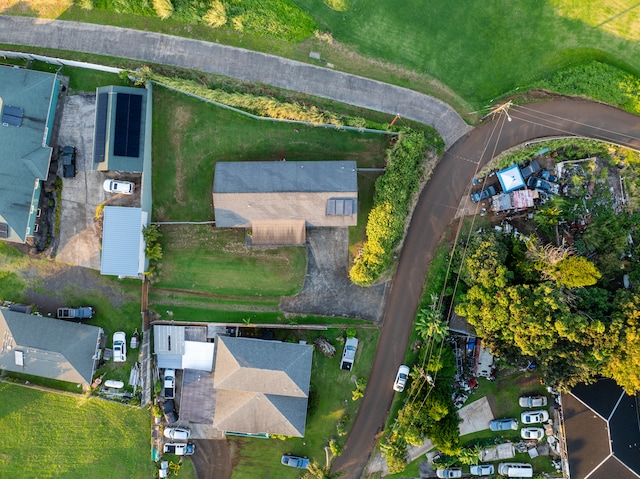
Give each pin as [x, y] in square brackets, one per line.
[236, 63]
[434, 211]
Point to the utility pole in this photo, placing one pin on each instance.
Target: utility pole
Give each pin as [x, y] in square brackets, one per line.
[504, 108]
[394, 120]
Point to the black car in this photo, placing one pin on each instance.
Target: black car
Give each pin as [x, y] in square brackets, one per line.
[170, 413]
[483, 195]
[69, 162]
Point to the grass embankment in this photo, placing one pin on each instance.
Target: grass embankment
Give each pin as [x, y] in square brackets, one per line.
[330, 401]
[453, 51]
[54, 436]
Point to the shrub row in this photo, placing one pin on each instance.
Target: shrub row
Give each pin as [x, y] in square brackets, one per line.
[257, 104]
[394, 193]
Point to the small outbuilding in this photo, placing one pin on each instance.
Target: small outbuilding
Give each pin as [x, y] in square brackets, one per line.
[123, 247]
[120, 129]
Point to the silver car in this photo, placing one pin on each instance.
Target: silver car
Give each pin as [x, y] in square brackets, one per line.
[482, 470]
[533, 401]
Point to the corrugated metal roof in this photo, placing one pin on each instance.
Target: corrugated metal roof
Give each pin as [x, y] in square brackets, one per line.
[122, 242]
[285, 176]
[277, 232]
[168, 340]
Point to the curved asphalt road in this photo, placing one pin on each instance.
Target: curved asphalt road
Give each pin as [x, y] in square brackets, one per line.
[438, 201]
[434, 211]
[236, 63]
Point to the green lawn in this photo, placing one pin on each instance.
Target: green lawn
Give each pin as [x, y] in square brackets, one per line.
[201, 258]
[49, 435]
[482, 49]
[330, 400]
[478, 49]
[190, 136]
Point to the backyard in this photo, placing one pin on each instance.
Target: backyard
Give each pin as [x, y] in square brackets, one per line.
[99, 438]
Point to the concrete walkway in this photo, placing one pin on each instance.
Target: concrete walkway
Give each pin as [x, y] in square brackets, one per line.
[236, 63]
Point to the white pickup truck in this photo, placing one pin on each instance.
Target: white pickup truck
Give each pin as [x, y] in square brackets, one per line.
[179, 449]
[169, 383]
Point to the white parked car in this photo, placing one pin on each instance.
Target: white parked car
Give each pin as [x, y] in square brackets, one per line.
[349, 354]
[533, 417]
[119, 347]
[177, 433]
[117, 186]
[533, 401]
[535, 433]
[449, 472]
[482, 470]
[401, 378]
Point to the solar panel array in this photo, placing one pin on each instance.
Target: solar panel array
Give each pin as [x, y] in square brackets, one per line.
[341, 207]
[101, 128]
[12, 115]
[127, 128]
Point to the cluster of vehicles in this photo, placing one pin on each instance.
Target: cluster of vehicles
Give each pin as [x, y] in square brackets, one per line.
[526, 418]
[510, 469]
[535, 178]
[178, 445]
[68, 160]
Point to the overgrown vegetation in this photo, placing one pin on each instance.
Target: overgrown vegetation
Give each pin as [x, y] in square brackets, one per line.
[407, 166]
[260, 105]
[597, 81]
[281, 19]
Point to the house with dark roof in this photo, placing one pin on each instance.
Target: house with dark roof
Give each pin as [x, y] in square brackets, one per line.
[277, 200]
[120, 129]
[28, 102]
[602, 431]
[261, 387]
[49, 348]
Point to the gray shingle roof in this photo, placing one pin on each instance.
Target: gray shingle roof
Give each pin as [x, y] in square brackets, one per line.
[262, 386]
[285, 176]
[52, 348]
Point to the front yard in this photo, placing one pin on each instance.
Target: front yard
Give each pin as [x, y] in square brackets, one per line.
[49, 435]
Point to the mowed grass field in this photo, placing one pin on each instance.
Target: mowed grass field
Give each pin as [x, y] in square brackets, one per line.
[48, 435]
[482, 49]
[190, 136]
[479, 49]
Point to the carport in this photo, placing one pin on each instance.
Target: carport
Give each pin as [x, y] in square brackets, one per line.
[198, 397]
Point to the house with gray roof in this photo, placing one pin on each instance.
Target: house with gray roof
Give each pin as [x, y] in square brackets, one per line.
[277, 200]
[28, 102]
[261, 387]
[602, 430]
[49, 348]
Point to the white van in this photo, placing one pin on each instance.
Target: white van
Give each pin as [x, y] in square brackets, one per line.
[515, 469]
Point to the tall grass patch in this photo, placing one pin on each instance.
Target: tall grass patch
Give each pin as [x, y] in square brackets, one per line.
[598, 81]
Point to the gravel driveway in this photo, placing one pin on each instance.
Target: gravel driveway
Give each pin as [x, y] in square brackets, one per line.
[327, 289]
